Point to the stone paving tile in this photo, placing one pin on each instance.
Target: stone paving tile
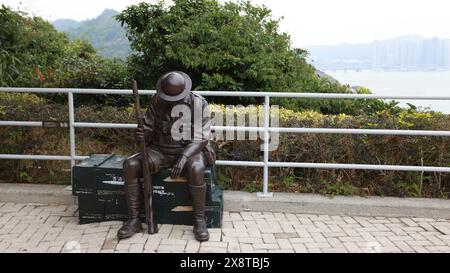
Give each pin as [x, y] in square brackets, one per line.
[234, 248]
[52, 229]
[152, 244]
[192, 246]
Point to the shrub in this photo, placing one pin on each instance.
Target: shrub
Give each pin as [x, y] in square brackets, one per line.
[233, 46]
[320, 148]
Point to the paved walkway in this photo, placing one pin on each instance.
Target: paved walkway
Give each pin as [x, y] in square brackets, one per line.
[39, 228]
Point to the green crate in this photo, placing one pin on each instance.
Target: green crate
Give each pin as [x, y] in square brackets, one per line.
[213, 215]
[99, 185]
[90, 209]
[84, 174]
[103, 175]
[93, 209]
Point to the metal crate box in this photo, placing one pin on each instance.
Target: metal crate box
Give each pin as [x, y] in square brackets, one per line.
[99, 184]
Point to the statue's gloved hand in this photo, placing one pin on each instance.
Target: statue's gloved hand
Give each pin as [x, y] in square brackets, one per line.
[178, 168]
[140, 135]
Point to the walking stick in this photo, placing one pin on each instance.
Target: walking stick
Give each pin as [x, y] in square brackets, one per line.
[148, 188]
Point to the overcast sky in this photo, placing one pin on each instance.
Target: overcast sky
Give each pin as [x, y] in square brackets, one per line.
[310, 22]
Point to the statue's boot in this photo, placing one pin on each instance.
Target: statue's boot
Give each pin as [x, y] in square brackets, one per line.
[198, 194]
[133, 225]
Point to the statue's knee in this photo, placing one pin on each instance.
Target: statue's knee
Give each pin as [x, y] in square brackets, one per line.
[131, 164]
[132, 167]
[197, 168]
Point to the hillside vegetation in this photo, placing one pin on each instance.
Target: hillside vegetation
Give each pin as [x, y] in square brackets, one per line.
[360, 149]
[234, 46]
[104, 32]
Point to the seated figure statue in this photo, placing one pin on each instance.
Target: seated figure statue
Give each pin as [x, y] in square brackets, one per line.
[188, 156]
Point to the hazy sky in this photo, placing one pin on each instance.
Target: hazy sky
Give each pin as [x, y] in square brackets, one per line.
[310, 22]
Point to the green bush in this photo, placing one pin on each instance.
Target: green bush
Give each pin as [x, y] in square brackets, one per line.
[232, 46]
[34, 54]
[29, 48]
[222, 46]
[320, 148]
[81, 67]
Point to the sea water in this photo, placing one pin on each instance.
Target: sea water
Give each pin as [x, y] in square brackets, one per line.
[422, 83]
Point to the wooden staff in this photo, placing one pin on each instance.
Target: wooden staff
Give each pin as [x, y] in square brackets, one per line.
[148, 188]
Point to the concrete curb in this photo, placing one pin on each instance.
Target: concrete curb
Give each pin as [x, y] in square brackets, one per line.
[339, 205]
[36, 194]
[281, 202]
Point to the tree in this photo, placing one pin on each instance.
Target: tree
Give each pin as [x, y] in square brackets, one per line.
[82, 67]
[231, 46]
[34, 54]
[29, 48]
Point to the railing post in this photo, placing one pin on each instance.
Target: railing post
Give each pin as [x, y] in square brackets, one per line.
[72, 129]
[266, 192]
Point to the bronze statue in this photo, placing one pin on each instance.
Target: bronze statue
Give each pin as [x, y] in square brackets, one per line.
[186, 156]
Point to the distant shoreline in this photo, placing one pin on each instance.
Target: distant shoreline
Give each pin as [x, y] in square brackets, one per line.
[383, 70]
[398, 82]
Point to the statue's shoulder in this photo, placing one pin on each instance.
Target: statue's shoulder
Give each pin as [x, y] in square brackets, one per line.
[153, 103]
[154, 100]
[197, 96]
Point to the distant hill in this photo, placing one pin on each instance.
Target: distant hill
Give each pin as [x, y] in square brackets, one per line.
[104, 32]
[400, 53]
[65, 24]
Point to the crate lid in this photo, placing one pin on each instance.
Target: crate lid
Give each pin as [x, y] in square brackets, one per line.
[115, 162]
[103, 161]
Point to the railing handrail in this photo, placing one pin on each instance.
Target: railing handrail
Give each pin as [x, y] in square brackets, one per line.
[81, 91]
[266, 164]
[349, 131]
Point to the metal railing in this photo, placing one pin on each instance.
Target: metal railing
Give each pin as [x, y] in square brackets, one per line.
[266, 163]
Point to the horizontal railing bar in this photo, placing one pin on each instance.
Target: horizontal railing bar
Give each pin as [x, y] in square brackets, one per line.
[41, 157]
[240, 163]
[237, 129]
[21, 123]
[255, 129]
[261, 164]
[105, 125]
[361, 131]
[358, 167]
[68, 158]
[74, 91]
[35, 157]
[134, 126]
[335, 131]
[226, 93]
[316, 95]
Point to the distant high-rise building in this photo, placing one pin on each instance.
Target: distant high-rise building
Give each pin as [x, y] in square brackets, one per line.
[404, 53]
